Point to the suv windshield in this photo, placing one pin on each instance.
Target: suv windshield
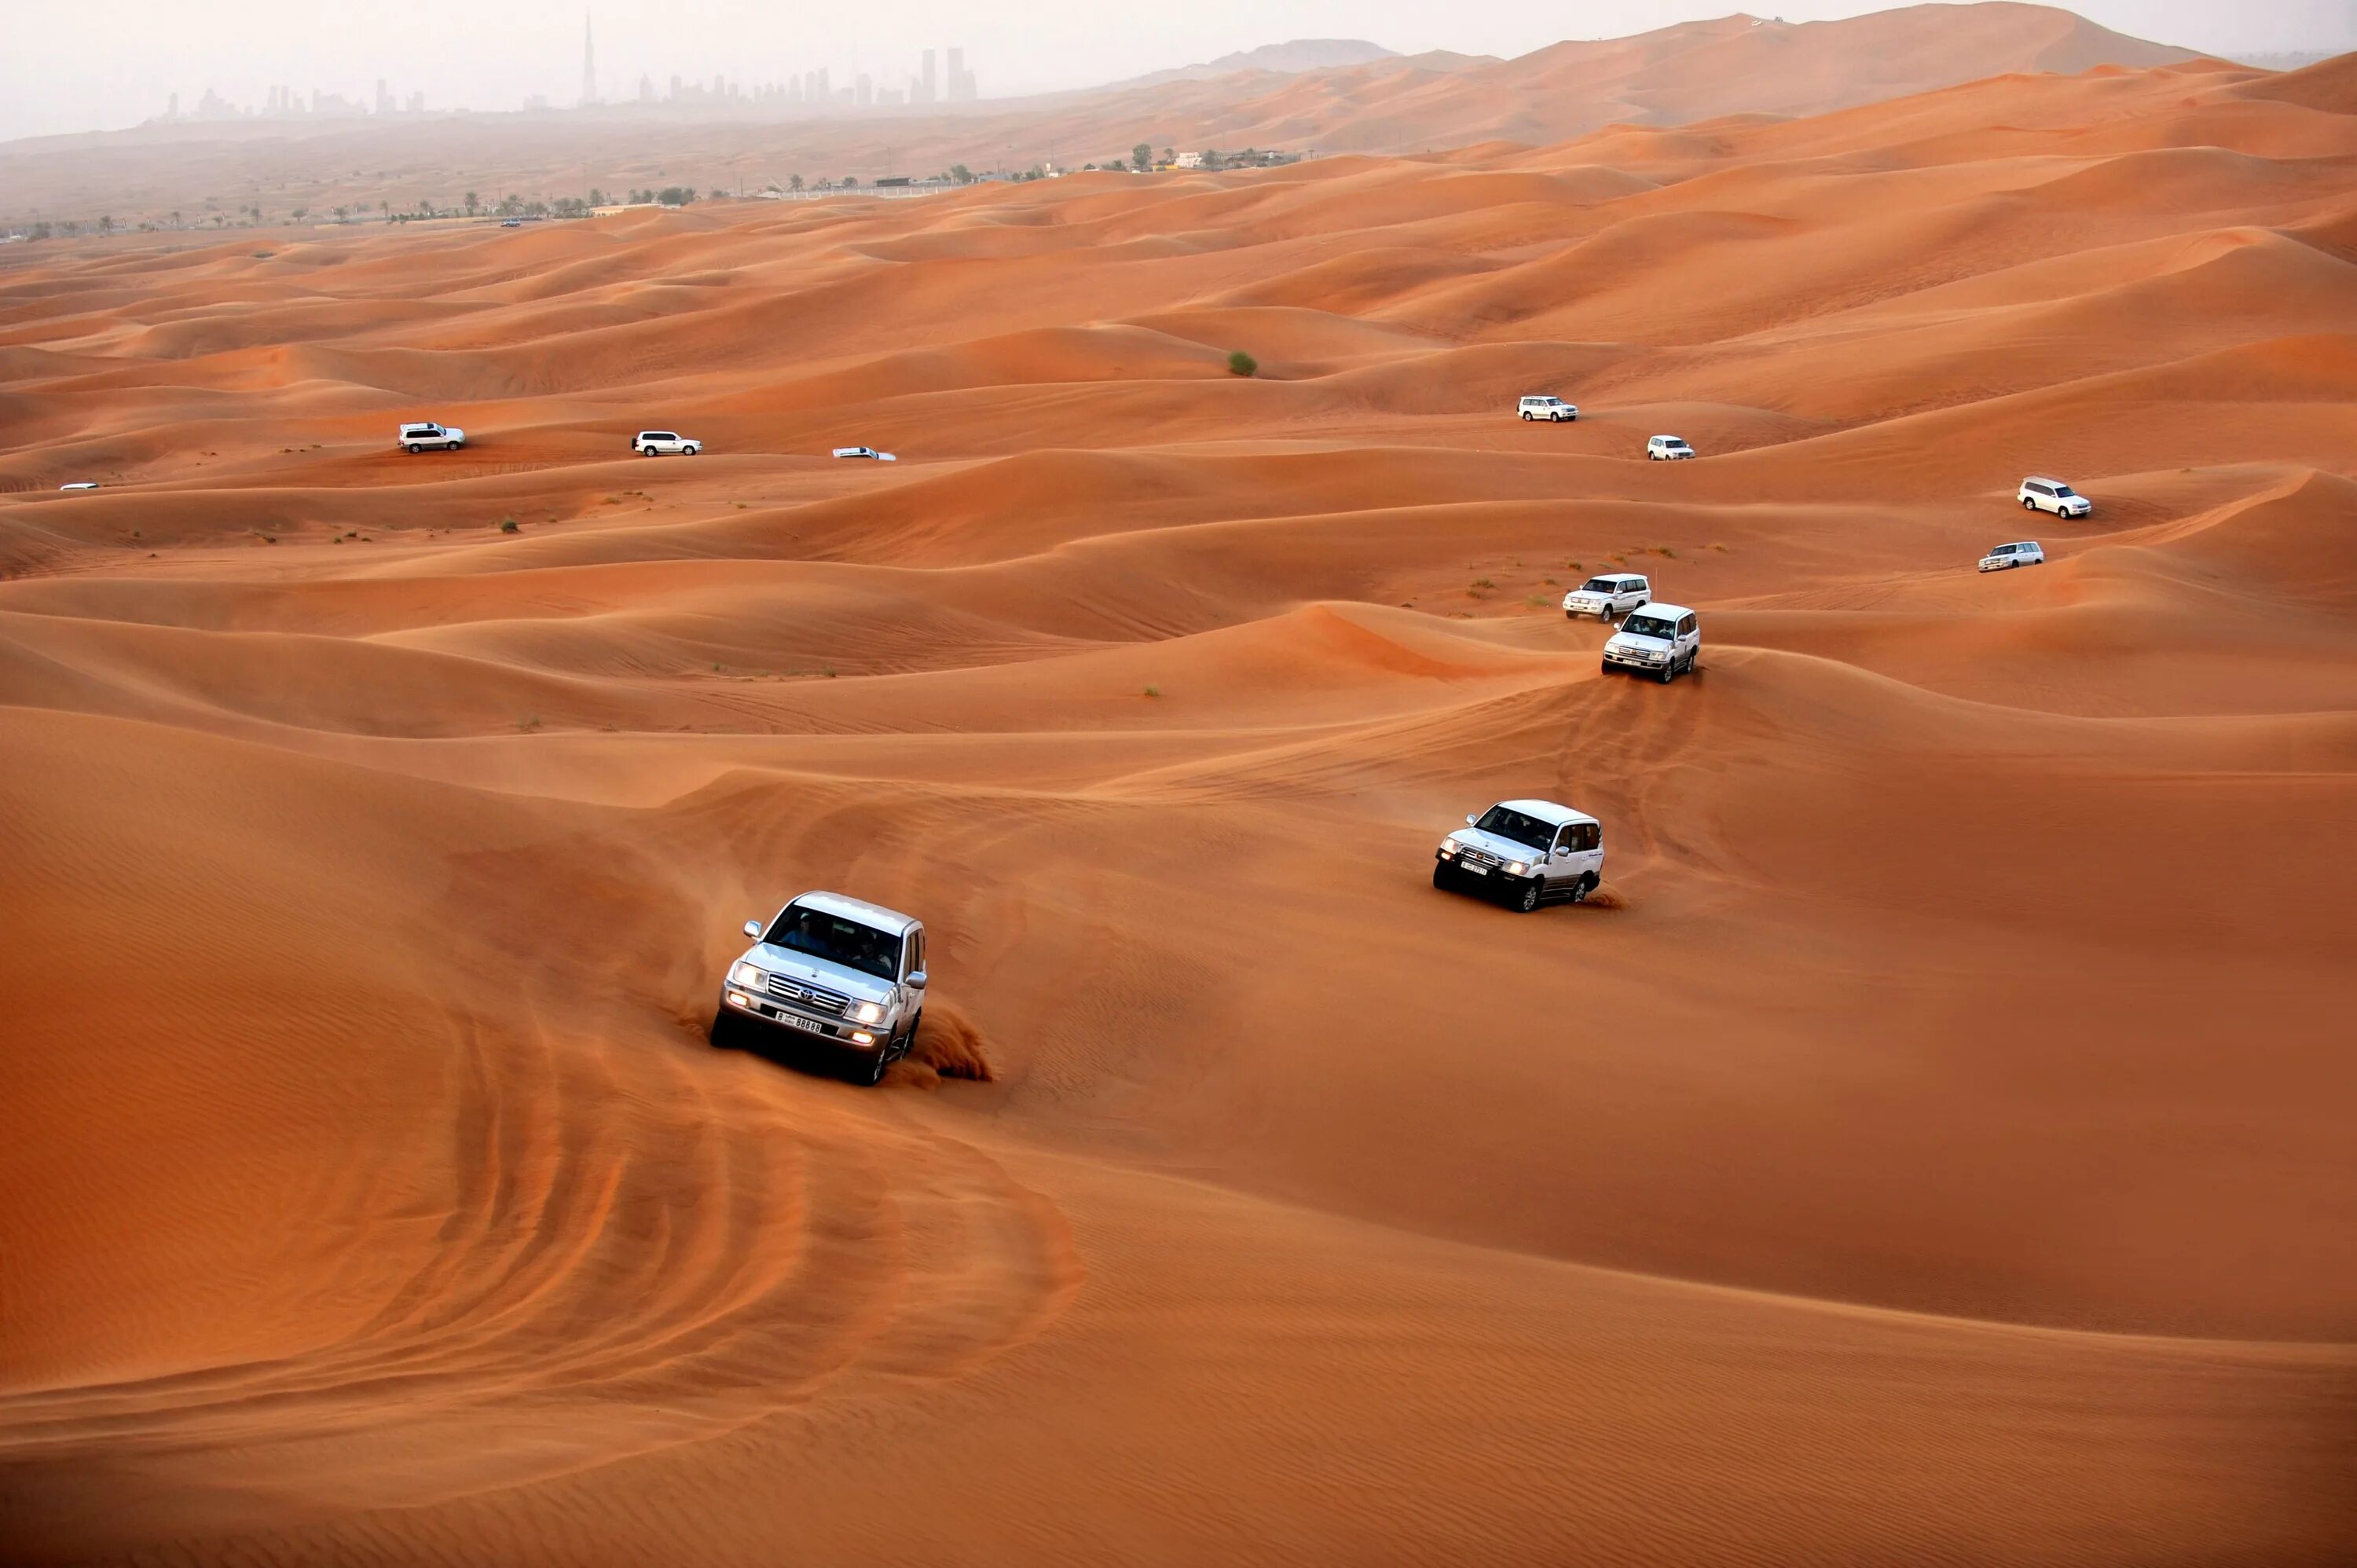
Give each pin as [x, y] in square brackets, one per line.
[1600, 586]
[837, 941]
[2064, 490]
[1645, 625]
[1509, 823]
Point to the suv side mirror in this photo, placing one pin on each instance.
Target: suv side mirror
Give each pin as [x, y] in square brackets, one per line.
[1470, 820]
[917, 979]
[753, 930]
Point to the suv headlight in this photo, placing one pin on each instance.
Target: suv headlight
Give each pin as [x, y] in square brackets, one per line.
[1518, 868]
[746, 975]
[1448, 846]
[867, 1013]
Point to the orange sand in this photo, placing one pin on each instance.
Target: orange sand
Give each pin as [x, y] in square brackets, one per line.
[1936, 1150]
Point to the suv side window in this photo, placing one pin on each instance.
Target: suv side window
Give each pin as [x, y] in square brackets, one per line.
[1685, 625]
[916, 954]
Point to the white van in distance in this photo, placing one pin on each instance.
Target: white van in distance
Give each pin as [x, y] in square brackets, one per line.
[1660, 640]
[1667, 448]
[1548, 408]
[1613, 593]
[2038, 494]
[427, 435]
[2005, 556]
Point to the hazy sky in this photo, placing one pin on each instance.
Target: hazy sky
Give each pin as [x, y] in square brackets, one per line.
[79, 65]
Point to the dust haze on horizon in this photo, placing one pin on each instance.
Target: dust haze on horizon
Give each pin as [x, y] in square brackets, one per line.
[113, 63]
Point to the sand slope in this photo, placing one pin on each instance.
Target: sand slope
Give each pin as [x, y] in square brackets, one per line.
[1935, 1148]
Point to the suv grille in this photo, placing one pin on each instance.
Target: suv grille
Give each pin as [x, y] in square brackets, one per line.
[1478, 857]
[812, 998]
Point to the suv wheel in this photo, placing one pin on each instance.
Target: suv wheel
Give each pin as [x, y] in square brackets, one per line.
[414, 449]
[2030, 503]
[1605, 614]
[1441, 874]
[1580, 889]
[871, 1072]
[1527, 897]
[1669, 671]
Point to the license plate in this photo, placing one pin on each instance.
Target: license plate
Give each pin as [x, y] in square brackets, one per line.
[802, 1024]
[1478, 870]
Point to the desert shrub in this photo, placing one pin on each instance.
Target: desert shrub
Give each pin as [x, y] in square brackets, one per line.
[1242, 364]
[510, 525]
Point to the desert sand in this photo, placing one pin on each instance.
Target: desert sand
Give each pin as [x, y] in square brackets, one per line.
[1935, 1147]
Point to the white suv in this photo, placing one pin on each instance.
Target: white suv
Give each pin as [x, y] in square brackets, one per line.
[647, 443]
[1548, 408]
[1613, 593]
[2038, 494]
[427, 435]
[2027, 552]
[1660, 640]
[840, 970]
[1527, 851]
[1667, 448]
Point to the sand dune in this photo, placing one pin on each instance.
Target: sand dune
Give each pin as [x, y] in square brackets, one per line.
[1933, 1148]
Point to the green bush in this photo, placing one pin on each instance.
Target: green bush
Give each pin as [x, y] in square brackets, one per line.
[1242, 364]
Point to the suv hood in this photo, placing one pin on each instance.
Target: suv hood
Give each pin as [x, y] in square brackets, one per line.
[1633, 640]
[1491, 844]
[852, 982]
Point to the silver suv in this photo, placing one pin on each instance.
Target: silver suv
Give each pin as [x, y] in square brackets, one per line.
[1524, 851]
[424, 436]
[839, 970]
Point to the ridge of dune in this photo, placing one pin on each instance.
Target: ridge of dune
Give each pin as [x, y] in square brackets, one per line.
[1930, 1144]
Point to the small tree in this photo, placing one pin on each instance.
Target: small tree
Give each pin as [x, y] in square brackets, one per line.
[850, 181]
[474, 203]
[300, 213]
[339, 213]
[106, 225]
[1242, 364]
[961, 174]
[716, 194]
[1141, 158]
[794, 183]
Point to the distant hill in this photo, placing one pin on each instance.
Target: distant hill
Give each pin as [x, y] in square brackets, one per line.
[1675, 75]
[1287, 58]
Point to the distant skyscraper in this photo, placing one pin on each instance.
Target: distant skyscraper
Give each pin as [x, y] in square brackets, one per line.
[646, 88]
[588, 64]
[933, 92]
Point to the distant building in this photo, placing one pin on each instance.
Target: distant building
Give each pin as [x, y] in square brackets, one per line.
[646, 89]
[863, 92]
[961, 83]
[1189, 160]
[931, 93]
[588, 64]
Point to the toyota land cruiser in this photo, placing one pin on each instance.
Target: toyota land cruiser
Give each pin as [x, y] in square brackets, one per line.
[1525, 851]
[426, 434]
[1615, 593]
[2038, 494]
[1660, 640]
[841, 972]
[1553, 409]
